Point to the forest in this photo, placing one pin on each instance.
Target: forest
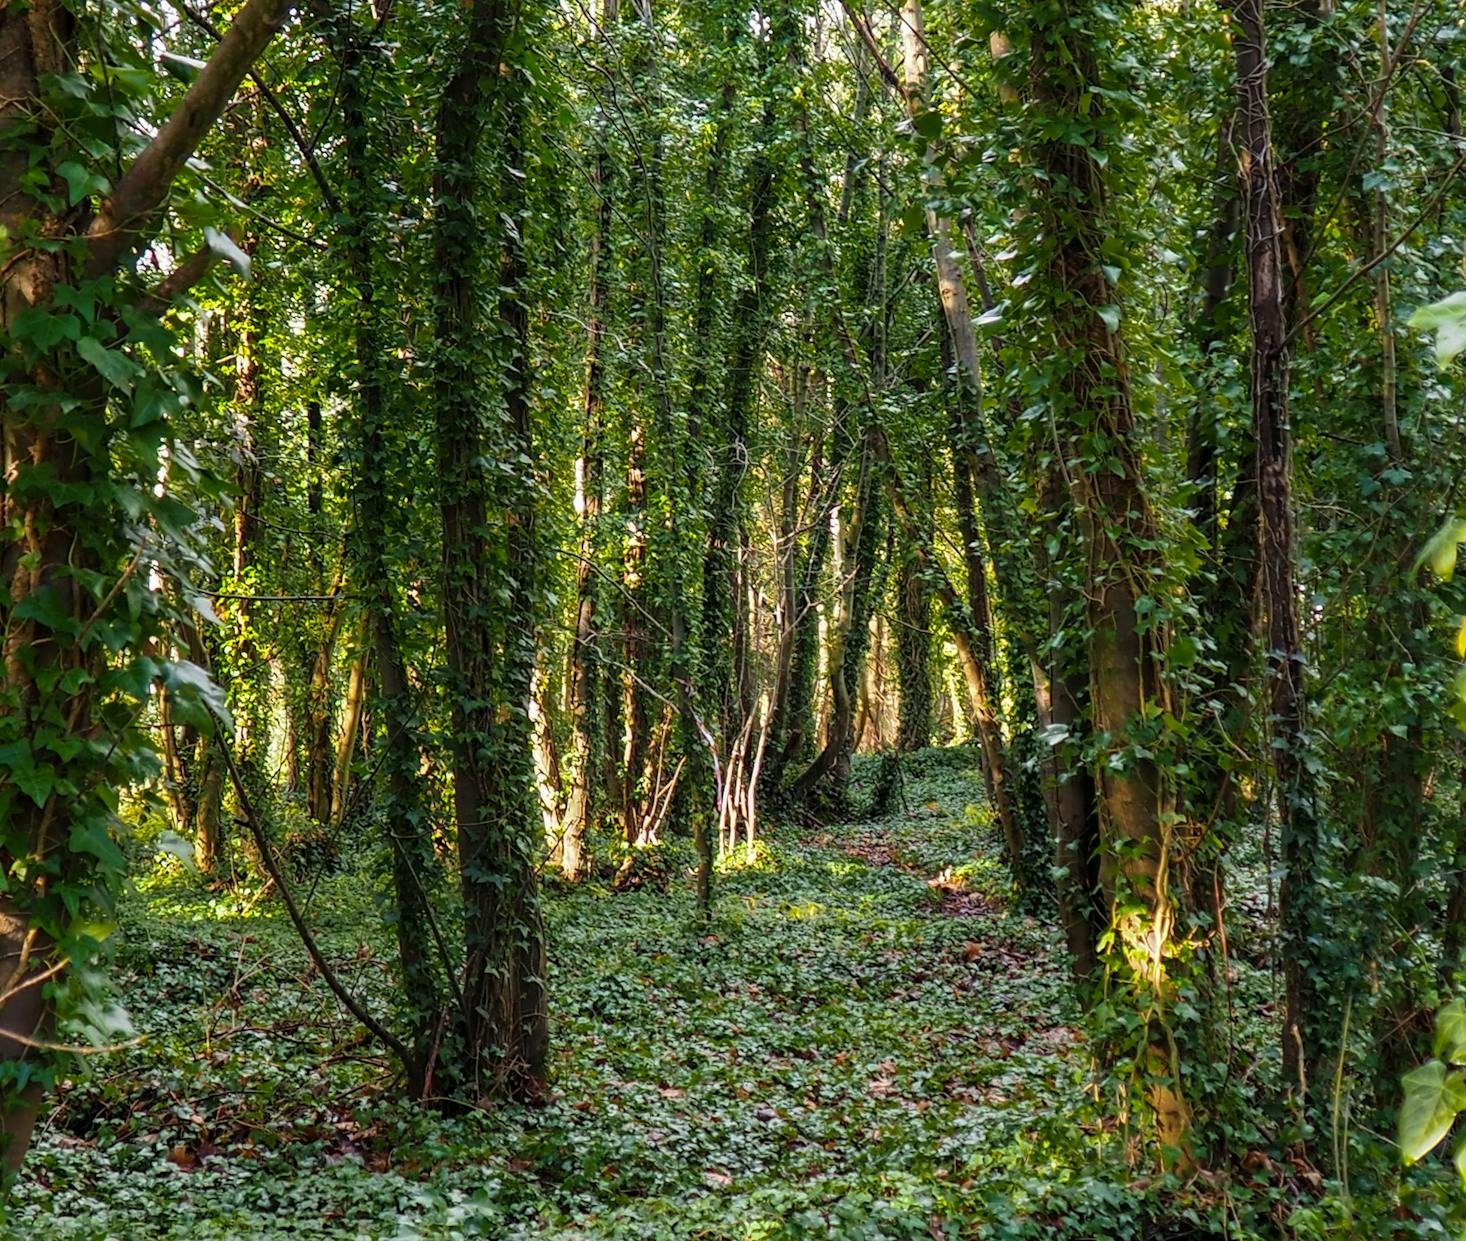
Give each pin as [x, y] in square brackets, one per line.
[732, 619]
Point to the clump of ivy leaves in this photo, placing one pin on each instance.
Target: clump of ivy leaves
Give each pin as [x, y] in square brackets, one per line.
[867, 1040]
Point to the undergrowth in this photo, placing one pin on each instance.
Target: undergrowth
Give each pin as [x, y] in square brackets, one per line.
[865, 1042]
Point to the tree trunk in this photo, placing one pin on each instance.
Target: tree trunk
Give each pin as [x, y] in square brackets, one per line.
[59, 518]
[351, 716]
[913, 650]
[489, 642]
[413, 863]
[1091, 408]
[1272, 439]
[584, 667]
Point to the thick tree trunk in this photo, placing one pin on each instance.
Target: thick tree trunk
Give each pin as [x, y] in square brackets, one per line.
[58, 521]
[1092, 413]
[413, 864]
[489, 642]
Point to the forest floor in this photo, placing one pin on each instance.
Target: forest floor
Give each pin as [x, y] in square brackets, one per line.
[866, 1042]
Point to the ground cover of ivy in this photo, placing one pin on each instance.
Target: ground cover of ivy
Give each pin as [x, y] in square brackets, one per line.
[866, 1042]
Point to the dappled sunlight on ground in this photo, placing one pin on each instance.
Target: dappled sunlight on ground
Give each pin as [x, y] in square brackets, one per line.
[862, 1042]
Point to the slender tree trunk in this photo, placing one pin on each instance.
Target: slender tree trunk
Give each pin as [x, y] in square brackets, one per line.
[1273, 443]
[351, 717]
[413, 864]
[584, 669]
[913, 650]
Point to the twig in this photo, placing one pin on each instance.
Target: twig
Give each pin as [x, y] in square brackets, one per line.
[1364, 269]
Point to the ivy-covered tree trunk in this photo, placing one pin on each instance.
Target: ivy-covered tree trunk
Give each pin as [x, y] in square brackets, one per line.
[1272, 438]
[913, 650]
[413, 864]
[964, 386]
[487, 584]
[1090, 398]
[585, 656]
[67, 564]
[724, 637]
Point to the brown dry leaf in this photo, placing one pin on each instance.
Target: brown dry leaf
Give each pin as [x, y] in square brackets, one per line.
[671, 1092]
[717, 1180]
[880, 1088]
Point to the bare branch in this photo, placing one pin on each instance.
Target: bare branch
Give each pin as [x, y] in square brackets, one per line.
[313, 949]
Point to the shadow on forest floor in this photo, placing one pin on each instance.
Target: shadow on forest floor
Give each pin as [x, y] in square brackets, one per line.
[864, 1043]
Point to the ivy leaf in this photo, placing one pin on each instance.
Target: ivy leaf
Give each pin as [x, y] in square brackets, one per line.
[1433, 1097]
[80, 182]
[1448, 320]
[1450, 1033]
[1440, 552]
[114, 367]
[35, 781]
[195, 692]
[223, 245]
[1111, 316]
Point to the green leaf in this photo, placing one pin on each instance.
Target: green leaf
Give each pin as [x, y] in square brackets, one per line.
[1450, 1033]
[1440, 552]
[36, 782]
[192, 690]
[114, 367]
[184, 68]
[928, 125]
[1433, 1097]
[1447, 318]
[80, 183]
[223, 245]
[1111, 316]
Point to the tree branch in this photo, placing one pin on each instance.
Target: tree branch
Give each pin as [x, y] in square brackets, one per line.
[178, 282]
[1365, 268]
[269, 96]
[117, 230]
[313, 949]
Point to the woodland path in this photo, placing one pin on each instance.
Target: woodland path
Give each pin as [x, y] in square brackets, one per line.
[863, 1044]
